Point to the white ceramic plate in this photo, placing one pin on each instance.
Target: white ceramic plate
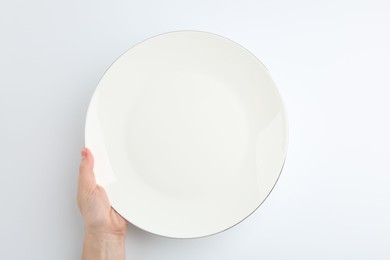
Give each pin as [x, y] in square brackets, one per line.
[189, 134]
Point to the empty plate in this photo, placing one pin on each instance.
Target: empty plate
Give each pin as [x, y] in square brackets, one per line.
[189, 134]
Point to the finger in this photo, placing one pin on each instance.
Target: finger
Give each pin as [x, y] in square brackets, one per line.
[86, 176]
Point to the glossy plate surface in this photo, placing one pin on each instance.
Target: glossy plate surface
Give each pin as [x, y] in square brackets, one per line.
[189, 134]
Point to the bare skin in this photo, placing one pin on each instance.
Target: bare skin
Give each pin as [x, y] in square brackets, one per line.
[105, 229]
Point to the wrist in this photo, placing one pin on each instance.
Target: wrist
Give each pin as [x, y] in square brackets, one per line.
[98, 245]
[103, 235]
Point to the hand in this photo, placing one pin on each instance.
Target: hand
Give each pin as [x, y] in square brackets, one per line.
[105, 229]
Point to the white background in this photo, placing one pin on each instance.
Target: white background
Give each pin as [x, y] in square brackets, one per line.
[330, 60]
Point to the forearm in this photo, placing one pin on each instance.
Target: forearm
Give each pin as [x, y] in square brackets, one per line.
[107, 247]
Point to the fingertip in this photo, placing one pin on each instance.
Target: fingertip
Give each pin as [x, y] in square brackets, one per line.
[87, 160]
[89, 155]
[84, 153]
[86, 176]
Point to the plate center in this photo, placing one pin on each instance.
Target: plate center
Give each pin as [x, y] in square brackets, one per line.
[187, 134]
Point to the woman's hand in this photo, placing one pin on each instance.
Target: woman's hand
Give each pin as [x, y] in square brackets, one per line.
[105, 229]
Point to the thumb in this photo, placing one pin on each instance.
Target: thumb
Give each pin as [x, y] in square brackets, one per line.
[86, 176]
